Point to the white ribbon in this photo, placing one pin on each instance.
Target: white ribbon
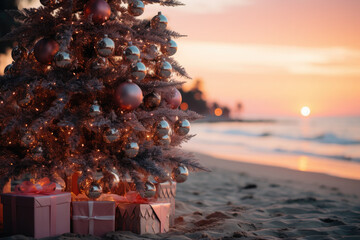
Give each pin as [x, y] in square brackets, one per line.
[92, 218]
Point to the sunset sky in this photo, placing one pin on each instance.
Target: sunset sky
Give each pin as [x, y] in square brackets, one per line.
[275, 56]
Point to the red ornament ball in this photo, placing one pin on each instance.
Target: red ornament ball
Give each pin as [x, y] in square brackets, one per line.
[128, 96]
[99, 9]
[45, 50]
[174, 98]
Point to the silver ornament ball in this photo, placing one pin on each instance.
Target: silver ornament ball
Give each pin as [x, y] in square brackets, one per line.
[132, 53]
[110, 181]
[150, 190]
[169, 48]
[131, 149]
[111, 135]
[95, 109]
[19, 52]
[152, 101]
[136, 8]
[93, 191]
[163, 128]
[164, 70]
[159, 22]
[138, 71]
[62, 59]
[180, 174]
[105, 47]
[182, 127]
[9, 69]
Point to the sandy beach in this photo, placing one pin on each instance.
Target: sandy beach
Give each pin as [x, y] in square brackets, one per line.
[241, 200]
[248, 201]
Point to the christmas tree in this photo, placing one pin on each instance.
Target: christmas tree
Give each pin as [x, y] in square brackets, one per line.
[92, 90]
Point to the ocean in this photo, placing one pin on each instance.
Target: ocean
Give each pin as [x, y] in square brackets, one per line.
[327, 145]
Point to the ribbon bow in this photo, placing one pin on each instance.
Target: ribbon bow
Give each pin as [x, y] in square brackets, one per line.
[43, 186]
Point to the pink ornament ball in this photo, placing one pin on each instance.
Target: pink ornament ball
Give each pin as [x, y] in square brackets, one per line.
[128, 96]
[174, 99]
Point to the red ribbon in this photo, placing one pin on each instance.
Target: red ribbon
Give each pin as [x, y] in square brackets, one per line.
[43, 186]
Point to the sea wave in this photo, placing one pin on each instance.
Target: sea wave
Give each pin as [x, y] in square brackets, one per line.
[261, 149]
[311, 154]
[326, 138]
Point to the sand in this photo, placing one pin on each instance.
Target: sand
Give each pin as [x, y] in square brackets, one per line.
[248, 201]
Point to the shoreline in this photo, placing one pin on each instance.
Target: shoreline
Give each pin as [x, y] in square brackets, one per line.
[212, 119]
[303, 163]
[312, 179]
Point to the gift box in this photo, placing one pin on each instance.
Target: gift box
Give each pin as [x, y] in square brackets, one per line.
[6, 189]
[36, 215]
[93, 217]
[143, 218]
[72, 182]
[166, 192]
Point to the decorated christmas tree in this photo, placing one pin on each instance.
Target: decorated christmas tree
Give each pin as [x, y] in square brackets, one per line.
[93, 90]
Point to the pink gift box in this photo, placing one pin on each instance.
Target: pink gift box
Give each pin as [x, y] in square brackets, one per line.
[36, 215]
[93, 217]
[143, 218]
[166, 192]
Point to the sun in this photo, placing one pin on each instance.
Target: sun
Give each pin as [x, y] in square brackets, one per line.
[305, 111]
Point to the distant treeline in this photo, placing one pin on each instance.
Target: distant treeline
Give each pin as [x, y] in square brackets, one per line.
[194, 99]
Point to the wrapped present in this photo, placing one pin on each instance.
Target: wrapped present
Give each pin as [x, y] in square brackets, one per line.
[6, 189]
[142, 216]
[166, 192]
[93, 217]
[72, 183]
[35, 214]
